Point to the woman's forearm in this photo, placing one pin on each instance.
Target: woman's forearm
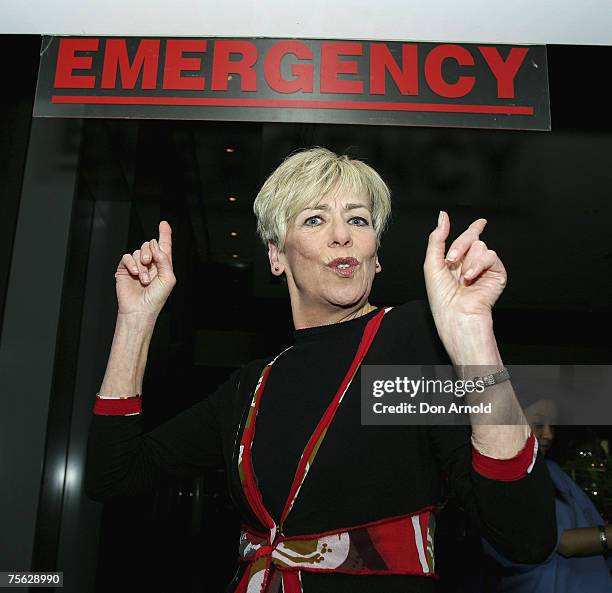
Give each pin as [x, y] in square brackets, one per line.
[128, 356]
[476, 353]
[582, 541]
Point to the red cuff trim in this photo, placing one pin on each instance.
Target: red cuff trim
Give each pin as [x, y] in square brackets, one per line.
[117, 407]
[507, 470]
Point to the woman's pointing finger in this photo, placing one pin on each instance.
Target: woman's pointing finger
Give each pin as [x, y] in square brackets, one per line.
[165, 238]
[434, 256]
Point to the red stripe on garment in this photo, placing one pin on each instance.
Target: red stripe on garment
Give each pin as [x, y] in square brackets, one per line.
[291, 582]
[390, 541]
[117, 407]
[367, 338]
[244, 581]
[252, 492]
[505, 470]
[377, 522]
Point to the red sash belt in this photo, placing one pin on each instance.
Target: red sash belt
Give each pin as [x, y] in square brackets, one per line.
[397, 545]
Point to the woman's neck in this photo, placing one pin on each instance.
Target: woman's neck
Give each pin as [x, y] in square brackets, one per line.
[304, 317]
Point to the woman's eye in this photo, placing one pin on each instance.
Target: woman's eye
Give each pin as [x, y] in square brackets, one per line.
[311, 218]
[360, 221]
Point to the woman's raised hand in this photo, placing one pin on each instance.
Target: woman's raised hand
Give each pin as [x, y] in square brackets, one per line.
[469, 280]
[145, 279]
[462, 288]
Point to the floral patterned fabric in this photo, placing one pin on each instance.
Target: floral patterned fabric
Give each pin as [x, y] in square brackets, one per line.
[399, 545]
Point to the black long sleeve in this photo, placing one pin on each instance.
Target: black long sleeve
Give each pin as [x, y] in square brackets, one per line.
[124, 461]
[517, 517]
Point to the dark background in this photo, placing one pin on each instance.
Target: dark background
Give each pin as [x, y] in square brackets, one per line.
[546, 196]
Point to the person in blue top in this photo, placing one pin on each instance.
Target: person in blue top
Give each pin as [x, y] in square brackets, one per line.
[580, 562]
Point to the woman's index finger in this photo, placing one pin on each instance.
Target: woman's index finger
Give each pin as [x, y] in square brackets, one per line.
[165, 237]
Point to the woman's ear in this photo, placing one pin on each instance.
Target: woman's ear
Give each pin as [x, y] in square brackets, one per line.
[276, 265]
[378, 266]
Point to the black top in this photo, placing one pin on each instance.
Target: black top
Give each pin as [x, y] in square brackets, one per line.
[360, 474]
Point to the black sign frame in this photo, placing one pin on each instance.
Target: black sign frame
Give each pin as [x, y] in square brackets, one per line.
[295, 80]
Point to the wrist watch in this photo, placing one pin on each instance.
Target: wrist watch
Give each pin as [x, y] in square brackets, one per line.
[493, 378]
[603, 540]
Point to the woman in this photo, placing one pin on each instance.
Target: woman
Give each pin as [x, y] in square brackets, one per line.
[581, 562]
[328, 504]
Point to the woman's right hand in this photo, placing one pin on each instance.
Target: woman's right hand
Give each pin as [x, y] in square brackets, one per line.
[145, 279]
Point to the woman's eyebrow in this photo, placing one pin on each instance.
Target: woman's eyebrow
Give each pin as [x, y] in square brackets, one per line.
[349, 206]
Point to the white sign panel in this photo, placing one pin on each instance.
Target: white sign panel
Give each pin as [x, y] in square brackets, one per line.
[588, 22]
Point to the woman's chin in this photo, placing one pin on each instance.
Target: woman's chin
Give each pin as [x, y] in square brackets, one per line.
[346, 298]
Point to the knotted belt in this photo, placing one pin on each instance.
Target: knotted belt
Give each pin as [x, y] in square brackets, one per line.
[396, 545]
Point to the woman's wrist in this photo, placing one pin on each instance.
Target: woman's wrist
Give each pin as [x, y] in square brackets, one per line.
[128, 357]
[471, 342]
[101, 396]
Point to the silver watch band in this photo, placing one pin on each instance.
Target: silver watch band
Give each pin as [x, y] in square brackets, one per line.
[493, 378]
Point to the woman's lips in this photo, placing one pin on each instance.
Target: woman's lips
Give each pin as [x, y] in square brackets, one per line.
[344, 266]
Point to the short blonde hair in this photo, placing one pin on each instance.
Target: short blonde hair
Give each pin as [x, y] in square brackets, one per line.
[304, 178]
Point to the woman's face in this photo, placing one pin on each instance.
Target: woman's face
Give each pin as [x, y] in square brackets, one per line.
[330, 253]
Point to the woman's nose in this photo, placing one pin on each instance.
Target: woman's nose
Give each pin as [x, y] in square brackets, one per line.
[340, 233]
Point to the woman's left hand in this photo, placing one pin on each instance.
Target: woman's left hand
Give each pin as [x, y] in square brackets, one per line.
[466, 284]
